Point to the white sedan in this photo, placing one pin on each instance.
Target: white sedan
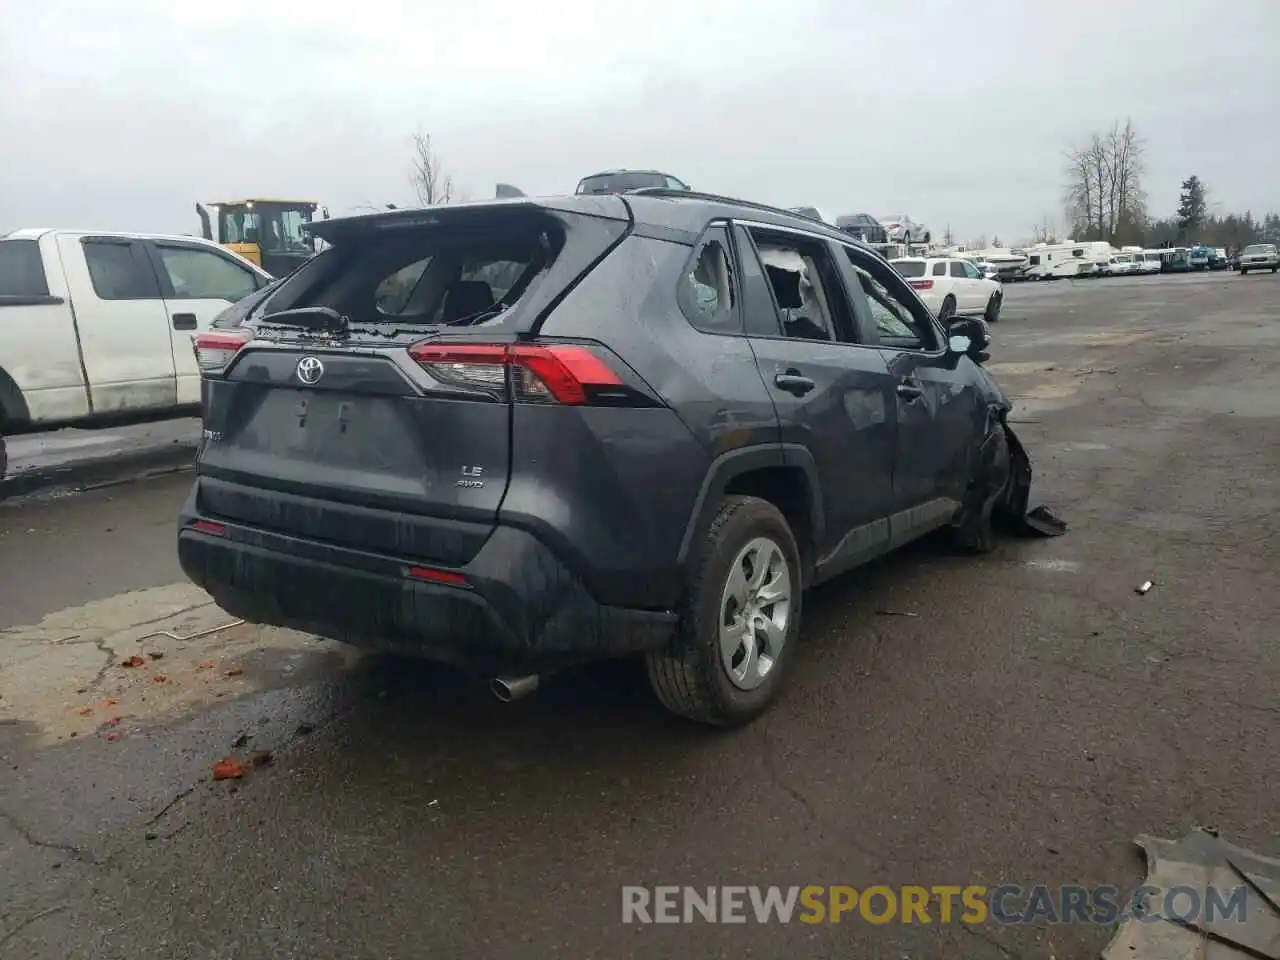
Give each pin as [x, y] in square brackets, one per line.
[900, 228]
[952, 287]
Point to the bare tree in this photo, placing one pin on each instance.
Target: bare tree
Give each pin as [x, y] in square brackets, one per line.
[431, 184]
[1046, 231]
[1103, 196]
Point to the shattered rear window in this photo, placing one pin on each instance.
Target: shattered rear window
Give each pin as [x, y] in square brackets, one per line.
[433, 276]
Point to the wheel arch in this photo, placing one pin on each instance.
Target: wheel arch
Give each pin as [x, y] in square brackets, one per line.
[13, 405]
[783, 474]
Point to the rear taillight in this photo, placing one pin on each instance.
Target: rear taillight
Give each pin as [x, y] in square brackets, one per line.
[563, 373]
[921, 284]
[215, 349]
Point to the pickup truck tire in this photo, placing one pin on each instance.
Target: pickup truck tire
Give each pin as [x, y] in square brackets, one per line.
[744, 574]
[4, 458]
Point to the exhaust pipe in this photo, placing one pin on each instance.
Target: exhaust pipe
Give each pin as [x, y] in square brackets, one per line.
[508, 689]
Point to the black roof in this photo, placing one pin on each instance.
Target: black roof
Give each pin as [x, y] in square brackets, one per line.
[683, 210]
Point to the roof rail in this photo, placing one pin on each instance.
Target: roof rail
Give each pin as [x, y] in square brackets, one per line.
[671, 193]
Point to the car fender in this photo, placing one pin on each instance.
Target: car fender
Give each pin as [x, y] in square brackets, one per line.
[734, 463]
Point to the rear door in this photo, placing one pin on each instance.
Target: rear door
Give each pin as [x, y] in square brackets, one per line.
[939, 415]
[830, 390]
[122, 323]
[982, 287]
[198, 283]
[966, 292]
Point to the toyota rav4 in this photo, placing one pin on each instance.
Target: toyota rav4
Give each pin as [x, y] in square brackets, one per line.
[524, 434]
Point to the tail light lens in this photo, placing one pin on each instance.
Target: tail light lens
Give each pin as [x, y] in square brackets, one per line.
[921, 284]
[561, 373]
[215, 349]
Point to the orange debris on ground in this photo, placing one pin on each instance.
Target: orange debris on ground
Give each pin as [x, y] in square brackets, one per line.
[228, 768]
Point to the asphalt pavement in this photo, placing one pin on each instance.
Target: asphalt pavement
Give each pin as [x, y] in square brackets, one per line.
[1015, 718]
[74, 459]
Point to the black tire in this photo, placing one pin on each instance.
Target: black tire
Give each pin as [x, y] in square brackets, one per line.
[948, 308]
[4, 458]
[1244, 272]
[992, 313]
[1274, 269]
[974, 532]
[687, 675]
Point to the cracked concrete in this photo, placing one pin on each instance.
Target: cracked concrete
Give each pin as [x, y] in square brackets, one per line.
[68, 675]
[1032, 718]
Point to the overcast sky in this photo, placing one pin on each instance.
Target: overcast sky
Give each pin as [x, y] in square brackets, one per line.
[120, 114]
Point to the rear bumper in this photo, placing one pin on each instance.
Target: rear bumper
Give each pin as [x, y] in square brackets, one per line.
[514, 608]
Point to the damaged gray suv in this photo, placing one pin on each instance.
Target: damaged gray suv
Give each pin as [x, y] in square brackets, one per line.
[524, 434]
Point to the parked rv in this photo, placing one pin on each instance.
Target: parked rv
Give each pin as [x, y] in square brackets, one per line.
[1119, 265]
[1054, 261]
[1150, 261]
[1010, 263]
[1175, 260]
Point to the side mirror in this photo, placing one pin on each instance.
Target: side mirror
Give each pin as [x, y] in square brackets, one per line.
[969, 336]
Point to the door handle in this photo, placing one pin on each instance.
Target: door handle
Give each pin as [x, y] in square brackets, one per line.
[794, 383]
[184, 321]
[910, 389]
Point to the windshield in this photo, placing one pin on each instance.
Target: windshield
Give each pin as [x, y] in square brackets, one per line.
[909, 268]
[1259, 248]
[622, 182]
[277, 228]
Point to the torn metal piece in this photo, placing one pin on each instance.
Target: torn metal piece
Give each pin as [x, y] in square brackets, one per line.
[1013, 511]
[1206, 899]
[191, 636]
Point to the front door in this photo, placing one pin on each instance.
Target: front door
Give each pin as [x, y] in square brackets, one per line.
[198, 282]
[832, 393]
[120, 319]
[939, 415]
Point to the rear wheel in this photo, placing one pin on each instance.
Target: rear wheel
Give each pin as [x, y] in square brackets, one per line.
[948, 309]
[992, 313]
[740, 619]
[4, 458]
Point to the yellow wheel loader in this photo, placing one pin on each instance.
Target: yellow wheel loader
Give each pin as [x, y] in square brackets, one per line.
[267, 232]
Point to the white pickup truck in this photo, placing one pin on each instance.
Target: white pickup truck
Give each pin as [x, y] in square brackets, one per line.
[97, 326]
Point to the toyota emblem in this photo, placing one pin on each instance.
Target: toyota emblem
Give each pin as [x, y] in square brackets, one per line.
[310, 369]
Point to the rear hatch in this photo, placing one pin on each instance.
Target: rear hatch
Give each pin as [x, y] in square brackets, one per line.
[367, 402]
